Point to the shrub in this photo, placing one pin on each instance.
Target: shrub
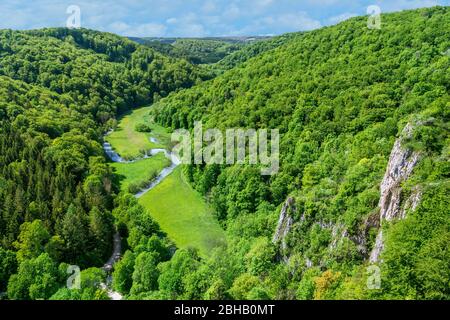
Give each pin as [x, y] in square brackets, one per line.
[142, 127]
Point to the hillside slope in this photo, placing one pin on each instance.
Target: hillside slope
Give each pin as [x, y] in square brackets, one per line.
[340, 97]
[196, 51]
[104, 72]
[60, 90]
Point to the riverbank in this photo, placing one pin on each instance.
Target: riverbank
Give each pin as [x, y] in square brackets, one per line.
[180, 211]
[129, 143]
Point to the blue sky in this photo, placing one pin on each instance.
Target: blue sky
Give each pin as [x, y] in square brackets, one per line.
[195, 18]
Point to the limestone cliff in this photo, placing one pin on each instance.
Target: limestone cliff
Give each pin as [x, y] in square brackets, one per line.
[284, 223]
[400, 166]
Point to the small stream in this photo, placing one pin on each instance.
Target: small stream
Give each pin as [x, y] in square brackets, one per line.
[174, 162]
[115, 157]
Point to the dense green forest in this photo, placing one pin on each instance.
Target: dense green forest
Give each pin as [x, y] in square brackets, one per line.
[341, 97]
[220, 54]
[60, 90]
[251, 50]
[196, 51]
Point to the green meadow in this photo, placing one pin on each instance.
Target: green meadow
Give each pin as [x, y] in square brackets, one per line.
[183, 214]
[129, 143]
[180, 210]
[139, 172]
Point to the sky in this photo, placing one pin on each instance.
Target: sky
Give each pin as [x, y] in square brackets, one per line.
[195, 18]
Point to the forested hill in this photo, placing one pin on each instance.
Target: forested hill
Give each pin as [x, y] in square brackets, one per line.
[251, 50]
[60, 90]
[340, 96]
[197, 51]
[105, 73]
[353, 105]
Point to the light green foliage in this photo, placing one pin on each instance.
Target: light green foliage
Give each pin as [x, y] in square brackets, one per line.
[196, 51]
[141, 127]
[131, 143]
[145, 275]
[416, 260]
[217, 291]
[36, 279]
[340, 96]
[244, 286]
[182, 214]
[89, 290]
[32, 239]
[173, 273]
[123, 271]
[260, 258]
[60, 90]
[134, 176]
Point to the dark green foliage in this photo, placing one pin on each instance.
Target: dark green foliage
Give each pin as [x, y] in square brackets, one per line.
[8, 266]
[142, 127]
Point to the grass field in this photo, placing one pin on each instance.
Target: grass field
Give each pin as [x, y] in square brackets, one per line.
[183, 215]
[139, 172]
[129, 143]
[180, 210]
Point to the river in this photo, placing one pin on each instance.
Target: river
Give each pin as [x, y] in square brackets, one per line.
[117, 247]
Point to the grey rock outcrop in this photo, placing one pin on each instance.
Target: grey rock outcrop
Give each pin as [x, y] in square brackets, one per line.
[284, 223]
[402, 162]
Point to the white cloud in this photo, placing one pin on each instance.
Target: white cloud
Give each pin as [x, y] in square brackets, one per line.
[119, 27]
[171, 20]
[189, 25]
[280, 23]
[209, 7]
[148, 30]
[298, 22]
[265, 3]
[140, 30]
[200, 17]
[232, 12]
[341, 17]
[389, 5]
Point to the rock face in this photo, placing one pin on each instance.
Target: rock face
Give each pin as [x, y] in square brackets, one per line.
[401, 164]
[392, 204]
[284, 223]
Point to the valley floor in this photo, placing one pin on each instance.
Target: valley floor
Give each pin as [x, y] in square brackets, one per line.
[183, 214]
[180, 211]
[129, 143]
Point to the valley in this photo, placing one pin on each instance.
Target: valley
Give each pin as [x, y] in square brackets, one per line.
[180, 211]
[358, 208]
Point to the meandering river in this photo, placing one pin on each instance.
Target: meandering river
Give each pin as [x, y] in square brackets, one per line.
[115, 157]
